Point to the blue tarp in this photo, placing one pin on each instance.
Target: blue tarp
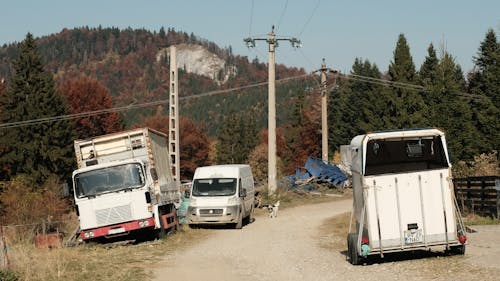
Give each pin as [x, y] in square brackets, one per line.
[321, 171]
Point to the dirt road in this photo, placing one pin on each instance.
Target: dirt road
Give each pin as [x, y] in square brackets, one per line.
[288, 248]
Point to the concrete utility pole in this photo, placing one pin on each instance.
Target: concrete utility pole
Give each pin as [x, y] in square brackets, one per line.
[324, 109]
[324, 117]
[173, 128]
[273, 43]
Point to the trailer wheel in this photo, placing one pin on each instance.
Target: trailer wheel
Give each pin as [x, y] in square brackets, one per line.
[354, 258]
[458, 250]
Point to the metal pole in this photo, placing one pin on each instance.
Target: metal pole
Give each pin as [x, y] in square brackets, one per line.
[272, 185]
[324, 118]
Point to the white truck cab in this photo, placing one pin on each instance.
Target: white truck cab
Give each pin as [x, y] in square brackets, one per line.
[403, 194]
[222, 194]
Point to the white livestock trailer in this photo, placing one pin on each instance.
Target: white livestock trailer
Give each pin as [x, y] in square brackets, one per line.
[403, 195]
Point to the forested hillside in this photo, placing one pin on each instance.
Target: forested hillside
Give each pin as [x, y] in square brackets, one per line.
[101, 68]
[128, 63]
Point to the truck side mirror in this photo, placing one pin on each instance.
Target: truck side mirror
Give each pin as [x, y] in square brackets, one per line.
[66, 190]
[154, 174]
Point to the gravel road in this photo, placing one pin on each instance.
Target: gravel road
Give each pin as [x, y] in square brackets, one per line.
[289, 248]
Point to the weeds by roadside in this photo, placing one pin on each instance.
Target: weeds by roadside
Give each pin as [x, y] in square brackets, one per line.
[98, 261]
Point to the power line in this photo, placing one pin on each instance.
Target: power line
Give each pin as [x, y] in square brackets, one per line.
[18, 124]
[282, 15]
[308, 20]
[251, 19]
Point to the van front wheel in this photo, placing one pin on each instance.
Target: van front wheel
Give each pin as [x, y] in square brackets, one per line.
[239, 224]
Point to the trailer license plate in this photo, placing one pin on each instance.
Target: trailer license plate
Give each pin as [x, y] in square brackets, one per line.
[413, 236]
[116, 230]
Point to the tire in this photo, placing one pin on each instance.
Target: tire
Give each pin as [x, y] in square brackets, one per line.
[458, 250]
[249, 218]
[239, 224]
[354, 258]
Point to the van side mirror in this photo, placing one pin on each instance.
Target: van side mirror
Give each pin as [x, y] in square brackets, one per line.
[154, 175]
[243, 192]
[187, 194]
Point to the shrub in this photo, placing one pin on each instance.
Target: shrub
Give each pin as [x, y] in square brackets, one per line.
[7, 275]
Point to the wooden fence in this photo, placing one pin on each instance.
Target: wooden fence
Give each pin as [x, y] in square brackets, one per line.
[479, 195]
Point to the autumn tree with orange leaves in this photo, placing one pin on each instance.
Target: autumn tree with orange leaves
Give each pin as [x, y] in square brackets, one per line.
[85, 94]
[194, 142]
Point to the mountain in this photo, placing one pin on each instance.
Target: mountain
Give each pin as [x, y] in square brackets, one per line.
[133, 65]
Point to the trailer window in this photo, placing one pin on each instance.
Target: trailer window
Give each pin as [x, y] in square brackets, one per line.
[214, 187]
[404, 155]
[110, 179]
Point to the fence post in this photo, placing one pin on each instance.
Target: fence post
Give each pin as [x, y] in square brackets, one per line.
[4, 256]
[497, 187]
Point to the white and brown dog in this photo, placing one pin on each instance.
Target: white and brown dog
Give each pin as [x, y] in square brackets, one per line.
[273, 209]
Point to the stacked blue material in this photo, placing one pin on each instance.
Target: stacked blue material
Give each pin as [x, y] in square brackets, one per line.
[315, 167]
[325, 171]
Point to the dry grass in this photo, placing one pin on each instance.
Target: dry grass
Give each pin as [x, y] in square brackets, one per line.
[333, 232]
[98, 262]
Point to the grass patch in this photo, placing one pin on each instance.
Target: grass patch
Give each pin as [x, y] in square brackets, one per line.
[474, 219]
[98, 261]
[333, 232]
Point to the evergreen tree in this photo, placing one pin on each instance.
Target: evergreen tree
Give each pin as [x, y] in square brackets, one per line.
[406, 107]
[485, 82]
[42, 149]
[452, 113]
[237, 137]
[427, 73]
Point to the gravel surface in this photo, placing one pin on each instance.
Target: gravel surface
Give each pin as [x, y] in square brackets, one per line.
[290, 247]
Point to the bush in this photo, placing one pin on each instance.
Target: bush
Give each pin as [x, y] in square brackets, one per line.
[486, 164]
[7, 275]
[33, 207]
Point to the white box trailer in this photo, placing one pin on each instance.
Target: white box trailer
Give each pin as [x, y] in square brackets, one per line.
[403, 194]
[124, 184]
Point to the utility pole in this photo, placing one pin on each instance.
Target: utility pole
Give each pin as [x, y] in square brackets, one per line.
[272, 40]
[324, 109]
[173, 126]
[324, 117]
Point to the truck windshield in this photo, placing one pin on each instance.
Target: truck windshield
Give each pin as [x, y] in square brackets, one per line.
[214, 187]
[109, 179]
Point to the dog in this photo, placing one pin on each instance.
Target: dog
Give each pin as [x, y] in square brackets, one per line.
[273, 209]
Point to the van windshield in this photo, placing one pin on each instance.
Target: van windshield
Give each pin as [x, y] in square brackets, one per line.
[214, 187]
[110, 179]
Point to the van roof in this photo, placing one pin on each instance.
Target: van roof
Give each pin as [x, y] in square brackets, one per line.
[228, 170]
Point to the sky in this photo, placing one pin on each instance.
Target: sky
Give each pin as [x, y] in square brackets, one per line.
[335, 30]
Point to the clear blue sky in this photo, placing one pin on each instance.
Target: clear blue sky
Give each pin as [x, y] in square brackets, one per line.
[338, 31]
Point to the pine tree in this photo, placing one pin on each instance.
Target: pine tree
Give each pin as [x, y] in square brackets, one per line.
[42, 149]
[452, 113]
[407, 108]
[236, 139]
[485, 82]
[427, 73]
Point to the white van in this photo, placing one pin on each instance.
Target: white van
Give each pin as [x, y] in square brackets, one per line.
[222, 194]
[403, 195]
